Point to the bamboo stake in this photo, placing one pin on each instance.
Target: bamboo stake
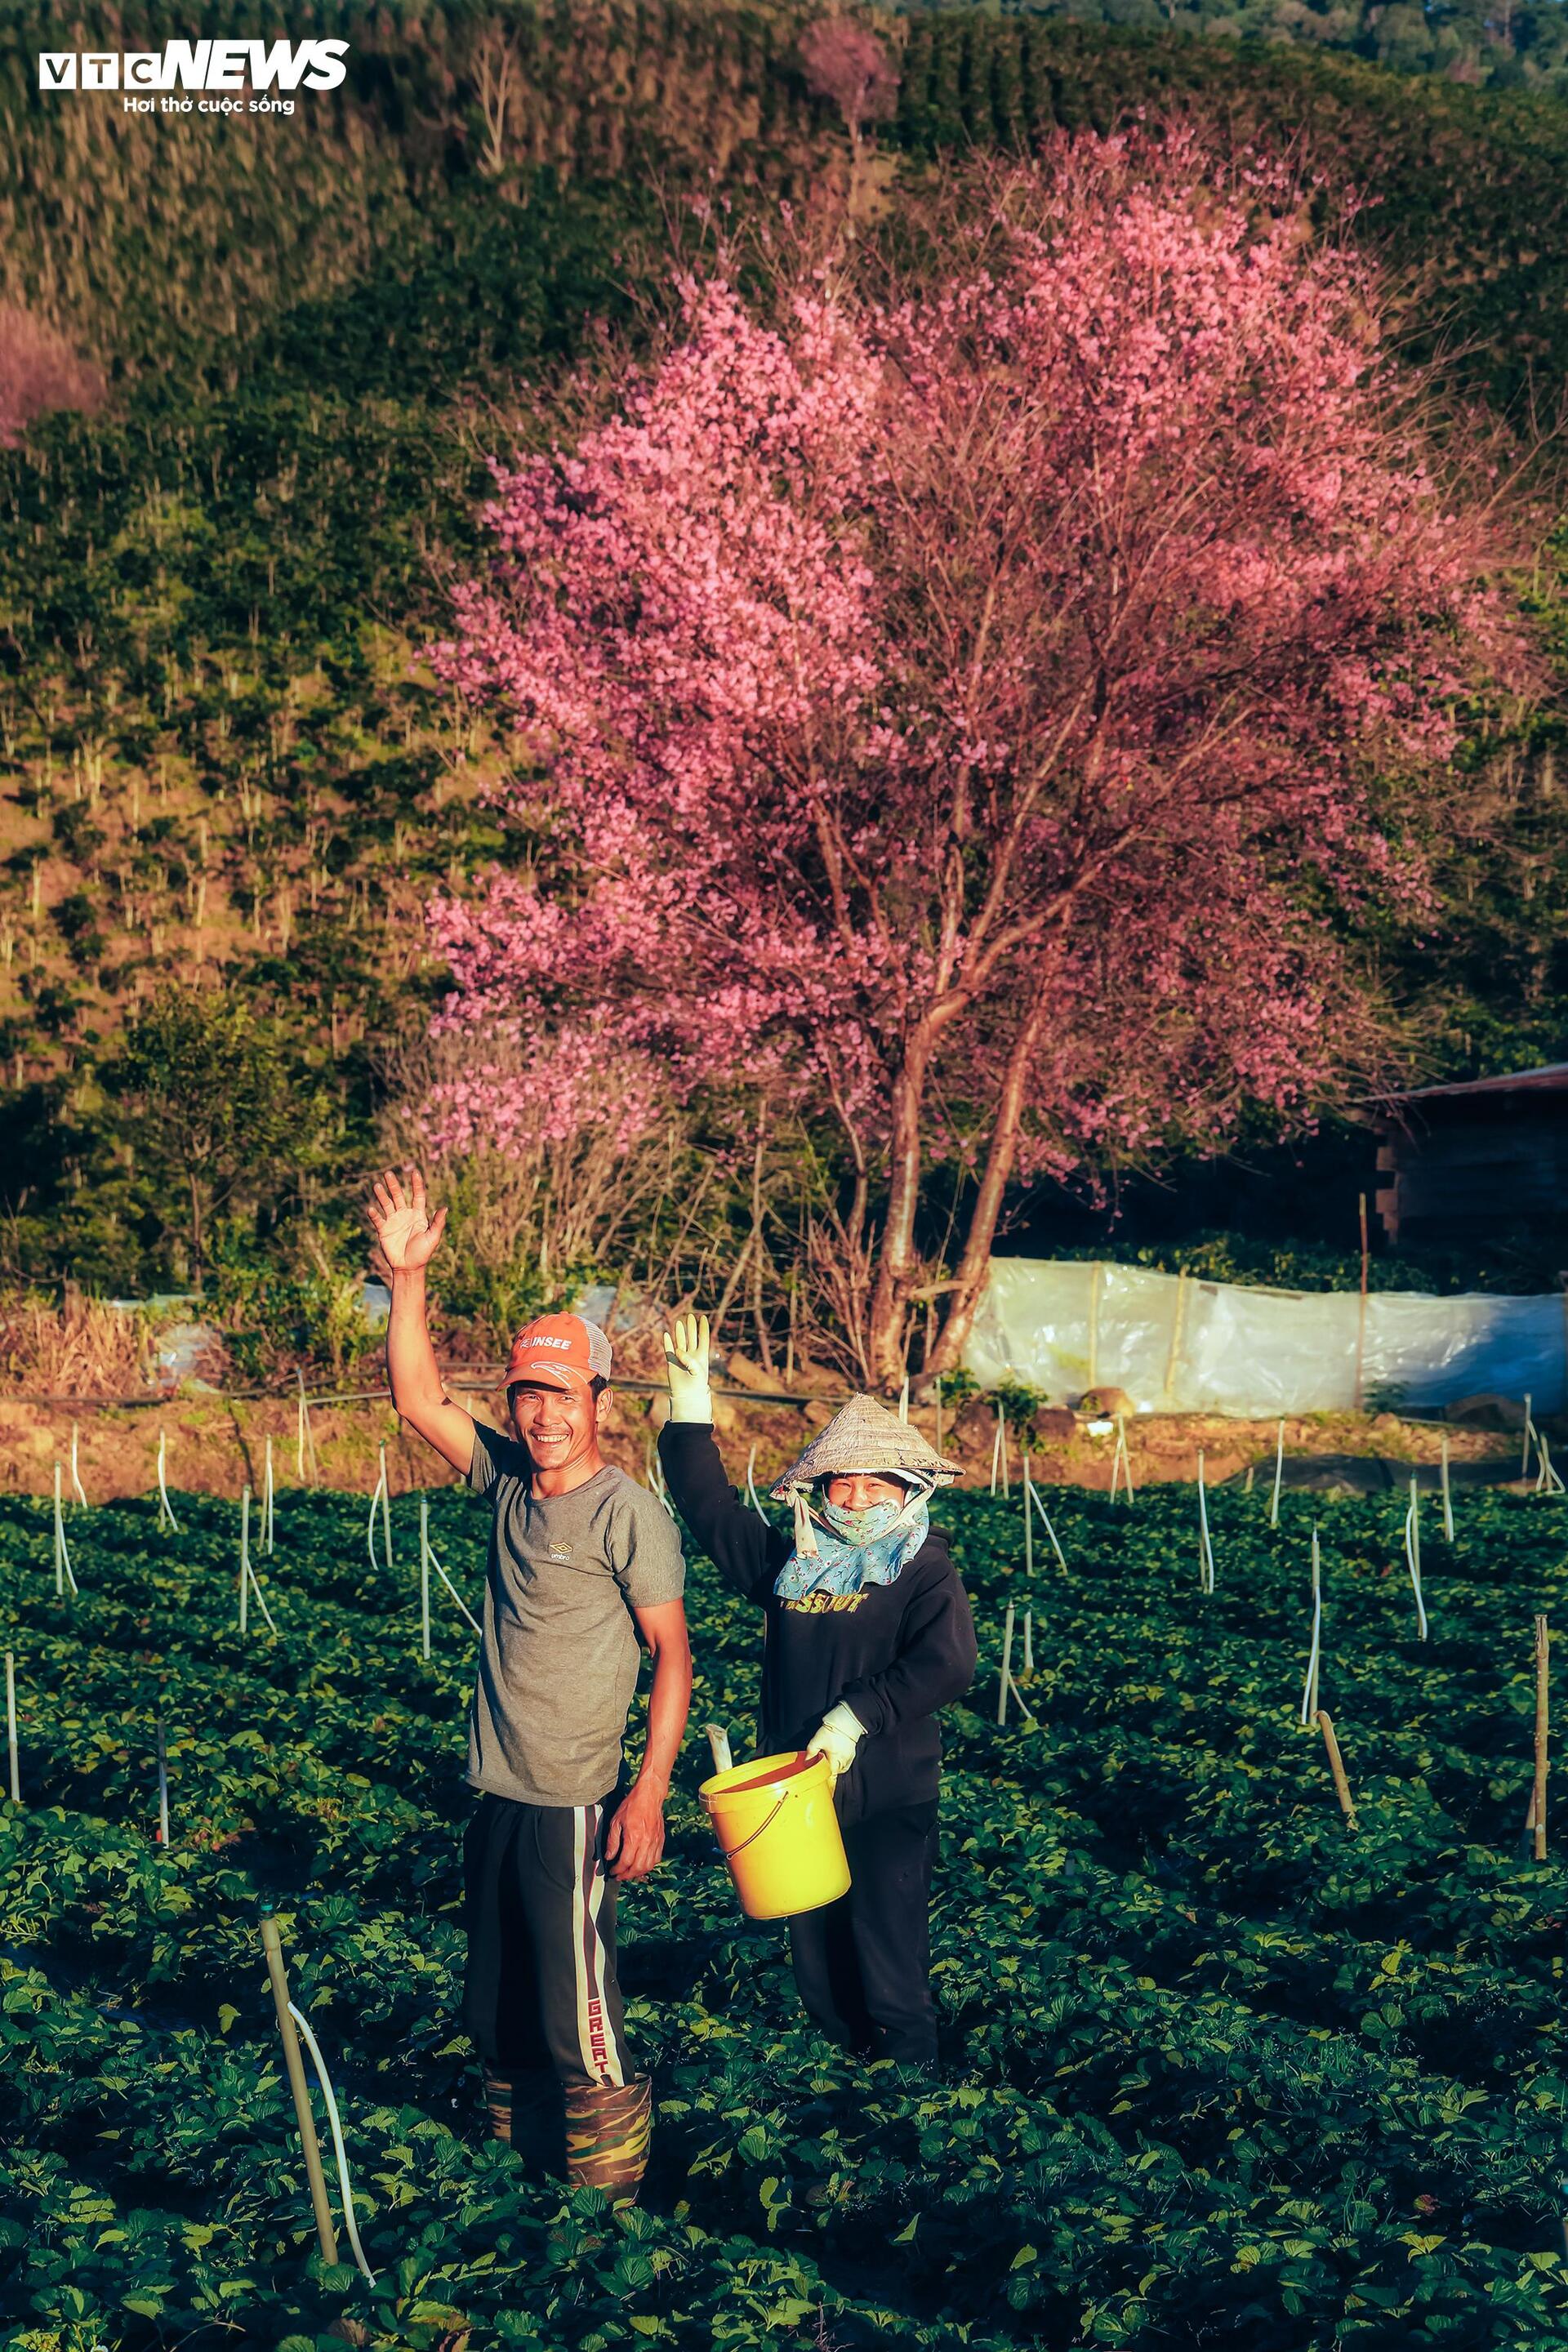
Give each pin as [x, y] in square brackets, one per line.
[1008, 1683]
[1279, 1474]
[1537, 1798]
[245, 1561]
[1028, 1642]
[11, 1727]
[163, 1784]
[309, 1468]
[292, 2061]
[753, 1496]
[266, 1505]
[1337, 1767]
[1247, 1486]
[997, 1448]
[1310, 1695]
[1122, 1450]
[1448, 1497]
[76, 1474]
[1529, 1432]
[904, 1400]
[425, 1576]
[937, 1385]
[1029, 1520]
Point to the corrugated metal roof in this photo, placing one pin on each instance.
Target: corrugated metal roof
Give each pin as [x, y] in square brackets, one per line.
[1550, 1078]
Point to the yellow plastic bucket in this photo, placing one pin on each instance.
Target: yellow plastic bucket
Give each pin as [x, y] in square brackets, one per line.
[776, 1828]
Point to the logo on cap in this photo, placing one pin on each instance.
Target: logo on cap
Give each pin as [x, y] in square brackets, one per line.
[564, 1349]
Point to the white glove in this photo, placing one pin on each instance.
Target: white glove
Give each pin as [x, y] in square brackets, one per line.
[836, 1737]
[685, 1361]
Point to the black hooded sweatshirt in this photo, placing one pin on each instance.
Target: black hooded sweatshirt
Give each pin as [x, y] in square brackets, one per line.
[896, 1652]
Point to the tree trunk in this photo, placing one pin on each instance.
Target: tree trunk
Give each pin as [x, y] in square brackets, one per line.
[1000, 1160]
[896, 1265]
[198, 1268]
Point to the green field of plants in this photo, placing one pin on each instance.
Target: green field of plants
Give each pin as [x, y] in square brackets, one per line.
[1216, 2065]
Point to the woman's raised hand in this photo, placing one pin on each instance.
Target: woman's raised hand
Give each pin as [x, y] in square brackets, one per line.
[409, 1236]
[687, 1353]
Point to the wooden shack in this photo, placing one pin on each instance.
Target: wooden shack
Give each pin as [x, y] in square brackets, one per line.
[1474, 1159]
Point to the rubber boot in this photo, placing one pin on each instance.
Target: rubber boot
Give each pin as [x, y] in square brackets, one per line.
[608, 2127]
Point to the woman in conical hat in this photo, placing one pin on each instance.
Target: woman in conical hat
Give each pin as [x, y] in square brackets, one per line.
[868, 1634]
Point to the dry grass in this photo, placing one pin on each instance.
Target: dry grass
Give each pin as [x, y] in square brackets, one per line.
[81, 1350]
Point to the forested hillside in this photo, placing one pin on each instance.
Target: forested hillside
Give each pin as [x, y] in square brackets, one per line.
[287, 354]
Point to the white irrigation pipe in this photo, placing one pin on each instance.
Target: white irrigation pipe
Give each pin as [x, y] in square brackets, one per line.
[248, 1581]
[456, 1594]
[345, 2186]
[1279, 1474]
[76, 1474]
[1206, 1546]
[1310, 1692]
[63, 1571]
[751, 1495]
[1046, 1516]
[165, 1509]
[1412, 1558]
[386, 1510]
[370, 1523]
[11, 1727]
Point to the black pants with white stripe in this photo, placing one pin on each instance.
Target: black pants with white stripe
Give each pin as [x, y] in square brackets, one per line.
[539, 1909]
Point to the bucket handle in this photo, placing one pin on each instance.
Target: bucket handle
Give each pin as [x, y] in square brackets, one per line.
[729, 1851]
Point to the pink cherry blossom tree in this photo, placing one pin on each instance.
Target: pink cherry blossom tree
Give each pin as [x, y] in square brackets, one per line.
[39, 372]
[954, 705]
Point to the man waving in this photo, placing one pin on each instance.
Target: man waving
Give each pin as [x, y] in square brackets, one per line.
[583, 1561]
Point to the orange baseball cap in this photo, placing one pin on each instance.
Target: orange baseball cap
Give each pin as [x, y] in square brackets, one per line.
[564, 1350]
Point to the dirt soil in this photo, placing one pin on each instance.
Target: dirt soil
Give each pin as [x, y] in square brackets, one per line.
[217, 1444]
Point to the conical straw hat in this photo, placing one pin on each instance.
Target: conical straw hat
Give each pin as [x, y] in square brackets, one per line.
[864, 1435]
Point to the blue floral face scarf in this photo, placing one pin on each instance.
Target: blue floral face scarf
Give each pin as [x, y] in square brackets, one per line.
[856, 1548]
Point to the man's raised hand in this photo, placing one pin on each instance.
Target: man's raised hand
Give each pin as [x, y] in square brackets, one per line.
[409, 1236]
[686, 1350]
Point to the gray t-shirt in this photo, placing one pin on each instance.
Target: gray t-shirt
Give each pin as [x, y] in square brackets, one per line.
[559, 1658]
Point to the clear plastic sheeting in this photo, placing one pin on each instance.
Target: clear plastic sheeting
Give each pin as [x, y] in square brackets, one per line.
[1174, 1344]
